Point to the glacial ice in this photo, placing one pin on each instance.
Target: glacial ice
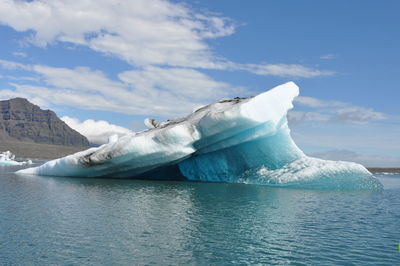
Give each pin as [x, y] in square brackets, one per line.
[241, 140]
[8, 159]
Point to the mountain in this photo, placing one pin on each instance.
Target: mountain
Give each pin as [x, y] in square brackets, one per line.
[22, 121]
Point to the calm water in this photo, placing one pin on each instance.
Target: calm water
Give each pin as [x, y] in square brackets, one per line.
[66, 221]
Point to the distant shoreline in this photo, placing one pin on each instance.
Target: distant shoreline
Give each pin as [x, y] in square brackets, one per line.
[384, 170]
[38, 151]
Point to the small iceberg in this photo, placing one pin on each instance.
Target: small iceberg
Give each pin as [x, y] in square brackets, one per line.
[8, 159]
[240, 140]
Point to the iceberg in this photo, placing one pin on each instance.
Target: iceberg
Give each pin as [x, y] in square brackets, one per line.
[8, 159]
[240, 140]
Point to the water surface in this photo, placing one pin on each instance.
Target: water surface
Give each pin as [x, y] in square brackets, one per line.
[71, 221]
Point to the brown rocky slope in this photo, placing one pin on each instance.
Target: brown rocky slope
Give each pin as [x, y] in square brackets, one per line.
[22, 122]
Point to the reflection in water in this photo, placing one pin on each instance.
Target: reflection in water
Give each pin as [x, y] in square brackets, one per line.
[92, 221]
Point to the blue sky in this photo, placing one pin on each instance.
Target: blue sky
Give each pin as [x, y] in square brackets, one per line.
[122, 61]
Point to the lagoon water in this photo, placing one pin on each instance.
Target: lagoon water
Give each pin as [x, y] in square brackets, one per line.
[72, 221]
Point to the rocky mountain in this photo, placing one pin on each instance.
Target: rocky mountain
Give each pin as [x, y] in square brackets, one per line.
[23, 121]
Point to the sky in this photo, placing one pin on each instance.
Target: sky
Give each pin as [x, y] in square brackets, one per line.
[104, 66]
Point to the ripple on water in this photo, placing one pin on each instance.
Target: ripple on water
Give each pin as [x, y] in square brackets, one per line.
[124, 222]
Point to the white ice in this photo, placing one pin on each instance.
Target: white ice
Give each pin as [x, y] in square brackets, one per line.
[231, 140]
[8, 159]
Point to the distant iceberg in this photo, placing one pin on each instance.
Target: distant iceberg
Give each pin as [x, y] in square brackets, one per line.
[8, 159]
[240, 140]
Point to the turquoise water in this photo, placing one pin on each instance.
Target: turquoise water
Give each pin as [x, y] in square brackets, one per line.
[71, 221]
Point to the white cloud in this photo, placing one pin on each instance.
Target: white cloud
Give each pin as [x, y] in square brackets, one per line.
[284, 70]
[11, 65]
[39, 99]
[327, 56]
[314, 102]
[178, 81]
[155, 90]
[19, 54]
[357, 114]
[368, 160]
[140, 32]
[20, 78]
[150, 90]
[97, 132]
[164, 41]
[301, 116]
[332, 111]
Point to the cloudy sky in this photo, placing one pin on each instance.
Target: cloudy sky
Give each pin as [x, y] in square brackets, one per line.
[105, 65]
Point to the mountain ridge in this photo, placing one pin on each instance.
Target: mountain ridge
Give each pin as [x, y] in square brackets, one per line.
[23, 121]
